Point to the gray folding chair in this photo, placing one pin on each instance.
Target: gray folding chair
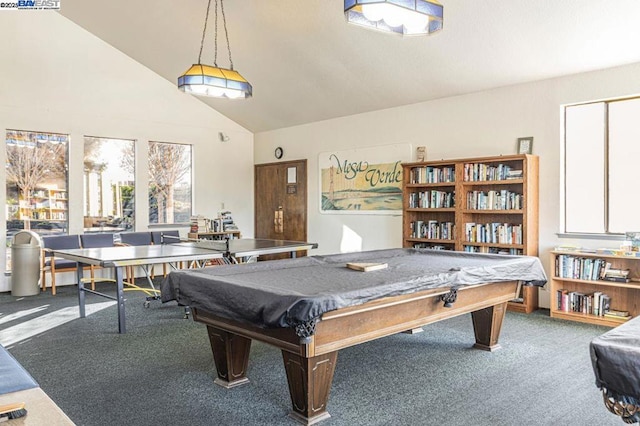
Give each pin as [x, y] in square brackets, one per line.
[96, 241]
[140, 239]
[55, 265]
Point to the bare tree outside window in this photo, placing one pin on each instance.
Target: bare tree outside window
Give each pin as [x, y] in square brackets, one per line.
[169, 182]
[36, 179]
[36, 183]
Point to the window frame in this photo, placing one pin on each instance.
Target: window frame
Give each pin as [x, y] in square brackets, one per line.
[49, 200]
[190, 180]
[127, 222]
[607, 234]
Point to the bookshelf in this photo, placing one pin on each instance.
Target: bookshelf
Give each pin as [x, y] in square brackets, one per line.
[43, 205]
[624, 296]
[480, 205]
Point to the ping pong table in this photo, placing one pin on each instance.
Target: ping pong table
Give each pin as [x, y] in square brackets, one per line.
[119, 257]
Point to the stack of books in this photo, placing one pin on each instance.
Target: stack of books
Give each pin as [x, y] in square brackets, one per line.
[198, 224]
[617, 275]
[227, 222]
[623, 315]
[514, 174]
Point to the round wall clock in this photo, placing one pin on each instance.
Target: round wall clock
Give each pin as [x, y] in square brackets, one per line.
[279, 153]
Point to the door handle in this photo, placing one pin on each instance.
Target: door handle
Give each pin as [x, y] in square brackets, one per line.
[278, 221]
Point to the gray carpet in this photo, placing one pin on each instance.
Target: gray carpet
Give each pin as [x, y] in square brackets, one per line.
[161, 372]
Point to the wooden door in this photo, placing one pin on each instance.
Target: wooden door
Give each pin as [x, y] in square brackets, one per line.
[281, 201]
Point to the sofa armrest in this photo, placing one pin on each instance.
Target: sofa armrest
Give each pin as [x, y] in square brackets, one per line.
[14, 376]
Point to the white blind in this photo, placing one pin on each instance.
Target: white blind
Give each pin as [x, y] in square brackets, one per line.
[585, 168]
[624, 165]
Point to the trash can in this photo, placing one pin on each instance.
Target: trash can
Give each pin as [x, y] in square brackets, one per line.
[26, 247]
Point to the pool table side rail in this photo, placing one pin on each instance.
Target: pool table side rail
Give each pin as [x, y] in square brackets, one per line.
[358, 324]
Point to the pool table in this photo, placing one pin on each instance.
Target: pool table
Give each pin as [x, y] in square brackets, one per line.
[614, 358]
[311, 308]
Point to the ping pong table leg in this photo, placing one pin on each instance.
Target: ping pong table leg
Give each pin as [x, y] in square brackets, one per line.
[80, 276]
[120, 299]
[148, 271]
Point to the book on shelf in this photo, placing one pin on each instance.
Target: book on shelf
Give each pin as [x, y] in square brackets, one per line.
[596, 302]
[567, 247]
[615, 275]
[605, 304]
[621, 273]
[607, 315]
[366, 267]
[514, 174]
[616, 279]
[615, 313]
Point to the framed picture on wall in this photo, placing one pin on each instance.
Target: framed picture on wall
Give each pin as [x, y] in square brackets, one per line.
[525, 145]
[366, 180]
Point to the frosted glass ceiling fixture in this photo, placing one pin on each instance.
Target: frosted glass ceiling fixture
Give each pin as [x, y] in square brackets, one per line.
[406, 17]
[214, 81]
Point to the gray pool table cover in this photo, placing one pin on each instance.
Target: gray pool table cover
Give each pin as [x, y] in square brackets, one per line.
[615, 356]
[286, 293]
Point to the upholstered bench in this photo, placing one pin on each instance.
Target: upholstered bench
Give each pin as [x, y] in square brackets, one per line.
[17, 385]
[615, 356]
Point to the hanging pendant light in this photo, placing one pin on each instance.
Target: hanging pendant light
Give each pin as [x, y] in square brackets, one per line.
[406, 17]
[214, 81]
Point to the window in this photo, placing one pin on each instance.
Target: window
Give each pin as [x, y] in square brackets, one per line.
[109, 184]
[36, 183]
[602, 153]
[169, 183]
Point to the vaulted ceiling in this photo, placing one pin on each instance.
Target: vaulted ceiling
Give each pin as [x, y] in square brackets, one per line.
[307, 64]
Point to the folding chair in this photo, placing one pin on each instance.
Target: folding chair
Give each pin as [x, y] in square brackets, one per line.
[96, 241]
[55, 265]
[140, 239]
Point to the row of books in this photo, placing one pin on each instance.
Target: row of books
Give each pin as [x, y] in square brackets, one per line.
[224, 222]
[596, 303]
[494, 200]
[49, 215]
[431, 246]
[432, 199]
[604, 251]
[55, 194]
[433, 229]
[430, 174]
[618, 252]
[494, 233]
[493, 250]
[588, 269]
[476, 172]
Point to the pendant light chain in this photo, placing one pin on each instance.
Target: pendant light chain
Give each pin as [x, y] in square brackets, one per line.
[224, 22]
[215, 38]
[204, 32]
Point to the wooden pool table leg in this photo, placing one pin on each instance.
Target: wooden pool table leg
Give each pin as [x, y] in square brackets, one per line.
[309, 385]
[487, 323]
[231, 356]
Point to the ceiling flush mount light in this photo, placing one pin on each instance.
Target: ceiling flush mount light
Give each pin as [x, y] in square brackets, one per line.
[214, 81]
[406, 17]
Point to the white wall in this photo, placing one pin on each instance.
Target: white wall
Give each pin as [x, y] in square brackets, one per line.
[480, 124]
[56, 77]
